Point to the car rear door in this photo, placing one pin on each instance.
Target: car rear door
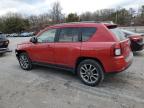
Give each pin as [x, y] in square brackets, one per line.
[67, 47]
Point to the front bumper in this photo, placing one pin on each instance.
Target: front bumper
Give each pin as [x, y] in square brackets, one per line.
[4, 50]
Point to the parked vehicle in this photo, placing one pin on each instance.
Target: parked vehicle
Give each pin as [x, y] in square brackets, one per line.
[11, 35]
[88, 49]
[27, 34]
[24, 34]
[4, 42]
[31, 33]
[14, 35]
[7, 35]
[137, 43]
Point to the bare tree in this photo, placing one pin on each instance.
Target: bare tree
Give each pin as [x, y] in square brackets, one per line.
[56, 12]
[87, 16]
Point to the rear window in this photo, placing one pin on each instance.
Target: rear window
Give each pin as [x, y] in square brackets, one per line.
[87, 32]
[118, 33]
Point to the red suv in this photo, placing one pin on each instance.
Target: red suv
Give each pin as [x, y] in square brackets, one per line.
[88, 49]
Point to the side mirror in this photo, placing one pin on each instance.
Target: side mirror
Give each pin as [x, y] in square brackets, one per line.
[33, 40]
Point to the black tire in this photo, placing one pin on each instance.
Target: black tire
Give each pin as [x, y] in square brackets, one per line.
[89, 70]
[24, 61]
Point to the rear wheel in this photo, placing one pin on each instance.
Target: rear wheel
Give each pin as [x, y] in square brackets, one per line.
[90, 72]
[25, 61]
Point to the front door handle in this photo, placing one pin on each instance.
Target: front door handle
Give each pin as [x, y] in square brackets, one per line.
[49, 46]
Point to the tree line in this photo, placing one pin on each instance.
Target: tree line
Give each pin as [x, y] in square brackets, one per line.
[17, 23]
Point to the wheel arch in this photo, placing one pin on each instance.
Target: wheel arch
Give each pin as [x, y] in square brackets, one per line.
[80, 59]
[18, 52]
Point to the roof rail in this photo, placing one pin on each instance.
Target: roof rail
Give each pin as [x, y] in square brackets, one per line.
[91, 21]
[68, 23]
[108, 22]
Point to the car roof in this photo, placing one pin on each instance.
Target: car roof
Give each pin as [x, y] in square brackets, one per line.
[81, 24]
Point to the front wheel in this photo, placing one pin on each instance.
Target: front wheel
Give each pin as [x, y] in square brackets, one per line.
[90, 72]
[25, 61]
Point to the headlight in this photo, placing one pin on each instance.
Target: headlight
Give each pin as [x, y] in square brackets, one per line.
[6, 42]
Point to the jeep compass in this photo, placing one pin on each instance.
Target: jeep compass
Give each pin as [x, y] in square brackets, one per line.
[88, 49]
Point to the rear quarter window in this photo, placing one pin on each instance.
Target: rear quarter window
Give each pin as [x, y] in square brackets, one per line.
[118, 33]
[87, 32]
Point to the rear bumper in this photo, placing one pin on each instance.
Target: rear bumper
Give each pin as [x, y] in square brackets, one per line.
[4, 50]
[120, 63]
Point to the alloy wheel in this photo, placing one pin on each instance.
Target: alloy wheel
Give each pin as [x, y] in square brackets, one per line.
[89, 73]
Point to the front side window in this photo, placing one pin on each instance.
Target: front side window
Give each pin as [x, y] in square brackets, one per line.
[69, 35]
[47, 36]
[87, 32]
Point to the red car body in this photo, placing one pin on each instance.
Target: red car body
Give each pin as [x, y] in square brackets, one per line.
[101, 46]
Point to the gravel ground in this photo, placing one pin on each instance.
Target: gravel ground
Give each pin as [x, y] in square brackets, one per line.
[52, 88]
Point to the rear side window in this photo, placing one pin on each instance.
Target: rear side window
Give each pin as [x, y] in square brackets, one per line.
[118, 33]
[87, 32]
[69, 35]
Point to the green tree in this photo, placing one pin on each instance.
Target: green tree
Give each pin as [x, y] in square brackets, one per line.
[14, 24]
[122, 17]
[72, 17]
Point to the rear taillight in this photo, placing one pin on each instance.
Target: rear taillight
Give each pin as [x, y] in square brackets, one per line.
[117, 49]
[117, 52]
[137, 39]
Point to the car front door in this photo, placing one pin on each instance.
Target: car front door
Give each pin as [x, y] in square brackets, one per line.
[43, 50]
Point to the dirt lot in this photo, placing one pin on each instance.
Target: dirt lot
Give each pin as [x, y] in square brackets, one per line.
[50, 88]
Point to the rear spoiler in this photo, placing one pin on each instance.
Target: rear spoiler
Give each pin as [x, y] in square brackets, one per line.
[111, 26]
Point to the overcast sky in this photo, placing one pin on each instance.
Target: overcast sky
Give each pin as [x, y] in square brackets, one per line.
[37, 7]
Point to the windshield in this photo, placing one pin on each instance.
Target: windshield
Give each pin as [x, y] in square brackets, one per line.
[118, 33]
[129, 33]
